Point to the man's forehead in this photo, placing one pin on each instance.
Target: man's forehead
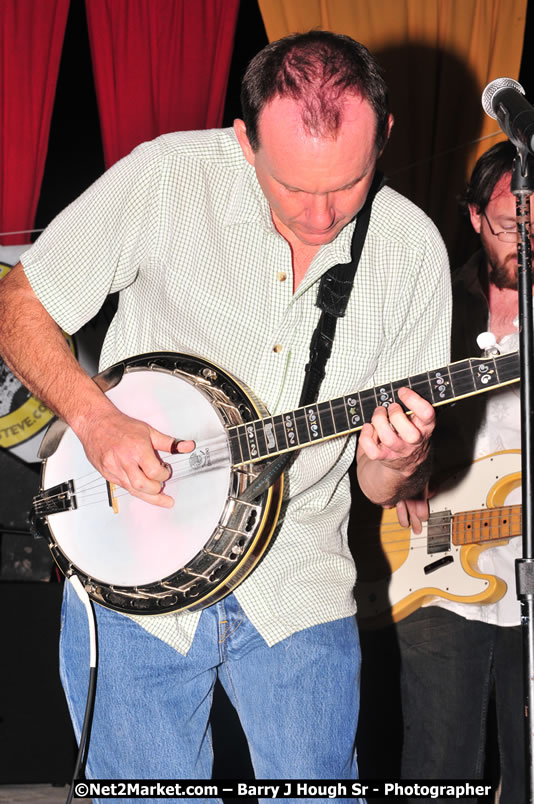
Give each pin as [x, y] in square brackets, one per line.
[501, 191]
[291, 116]
[317, 165]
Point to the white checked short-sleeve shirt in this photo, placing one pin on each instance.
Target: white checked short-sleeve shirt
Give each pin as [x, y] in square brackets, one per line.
[183, 230]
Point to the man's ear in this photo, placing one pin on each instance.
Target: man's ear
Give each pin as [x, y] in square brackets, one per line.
[391, 121]
[241, 134]
[476, 217]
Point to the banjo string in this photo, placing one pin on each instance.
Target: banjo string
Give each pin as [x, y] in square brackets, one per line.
[93, 484]
[214, 445]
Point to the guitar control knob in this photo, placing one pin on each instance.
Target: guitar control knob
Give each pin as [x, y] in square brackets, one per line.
[488, 343]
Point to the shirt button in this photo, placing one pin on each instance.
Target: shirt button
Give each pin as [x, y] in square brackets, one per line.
[282, 276]
[277, 347]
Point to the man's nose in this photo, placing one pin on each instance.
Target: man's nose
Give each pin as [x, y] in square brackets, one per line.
[321, 213]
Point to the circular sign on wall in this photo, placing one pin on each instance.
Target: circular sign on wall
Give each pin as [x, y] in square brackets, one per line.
[22, 415]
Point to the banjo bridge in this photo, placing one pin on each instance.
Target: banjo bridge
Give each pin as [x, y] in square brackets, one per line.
[112, 500]
[55, 500]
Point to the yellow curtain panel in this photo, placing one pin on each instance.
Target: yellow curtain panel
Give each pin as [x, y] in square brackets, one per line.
[438, 56]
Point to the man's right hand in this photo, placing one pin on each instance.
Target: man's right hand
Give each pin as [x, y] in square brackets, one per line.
[412, 513]
[127, 453]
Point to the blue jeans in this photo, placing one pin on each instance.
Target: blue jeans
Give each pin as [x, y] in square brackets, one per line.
[297, 701]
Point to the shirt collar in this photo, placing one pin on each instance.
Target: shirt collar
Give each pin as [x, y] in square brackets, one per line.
[246, 201]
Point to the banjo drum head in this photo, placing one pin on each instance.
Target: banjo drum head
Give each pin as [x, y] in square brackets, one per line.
[142, 543]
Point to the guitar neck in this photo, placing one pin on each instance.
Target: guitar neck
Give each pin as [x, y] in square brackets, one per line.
[486, 525]
[262, 438]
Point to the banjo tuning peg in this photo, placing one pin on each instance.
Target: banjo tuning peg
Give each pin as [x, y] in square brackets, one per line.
[488, 343]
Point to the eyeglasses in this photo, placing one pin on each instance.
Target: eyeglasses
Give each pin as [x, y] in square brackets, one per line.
[504, 237]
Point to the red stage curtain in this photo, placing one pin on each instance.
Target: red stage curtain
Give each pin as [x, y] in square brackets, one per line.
[159, 66]
[31, 38]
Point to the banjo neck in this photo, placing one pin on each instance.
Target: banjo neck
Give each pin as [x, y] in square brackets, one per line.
[256, 440]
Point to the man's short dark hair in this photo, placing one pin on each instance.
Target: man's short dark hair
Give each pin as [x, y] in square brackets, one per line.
[489, 168]
[315, 68]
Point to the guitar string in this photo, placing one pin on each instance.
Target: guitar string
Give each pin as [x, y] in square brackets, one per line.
[403, 544]
[504, 515]
[514, 523]
[439, 518]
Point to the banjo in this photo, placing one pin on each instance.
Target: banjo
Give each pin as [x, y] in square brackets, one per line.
[138, 558]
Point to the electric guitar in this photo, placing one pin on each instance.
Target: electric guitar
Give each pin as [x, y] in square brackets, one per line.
[135, 557]
[441, 561]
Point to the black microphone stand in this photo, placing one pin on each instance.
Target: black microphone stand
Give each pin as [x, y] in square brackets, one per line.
[522, 187]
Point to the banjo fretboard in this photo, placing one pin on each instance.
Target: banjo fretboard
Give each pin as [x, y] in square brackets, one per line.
[258, 439]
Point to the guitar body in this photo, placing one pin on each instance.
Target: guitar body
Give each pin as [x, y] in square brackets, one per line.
[405, 575]
[135, 557]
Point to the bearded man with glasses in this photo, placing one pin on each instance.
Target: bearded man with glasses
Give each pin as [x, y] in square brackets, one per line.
[459, 660]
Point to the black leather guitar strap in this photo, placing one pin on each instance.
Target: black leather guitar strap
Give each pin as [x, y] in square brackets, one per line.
[332, 298]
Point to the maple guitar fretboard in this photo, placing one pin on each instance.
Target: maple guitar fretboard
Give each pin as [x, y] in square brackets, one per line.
[486, 525]
[258, 439]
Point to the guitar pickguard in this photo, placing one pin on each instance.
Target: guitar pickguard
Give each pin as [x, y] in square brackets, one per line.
[406, 575]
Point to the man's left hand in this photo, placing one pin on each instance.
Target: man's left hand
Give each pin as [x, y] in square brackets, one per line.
[393, 445]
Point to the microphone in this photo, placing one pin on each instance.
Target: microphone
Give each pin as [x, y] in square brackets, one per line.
[503, 99]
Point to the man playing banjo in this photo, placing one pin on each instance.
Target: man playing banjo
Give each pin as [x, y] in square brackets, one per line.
[217, 241]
